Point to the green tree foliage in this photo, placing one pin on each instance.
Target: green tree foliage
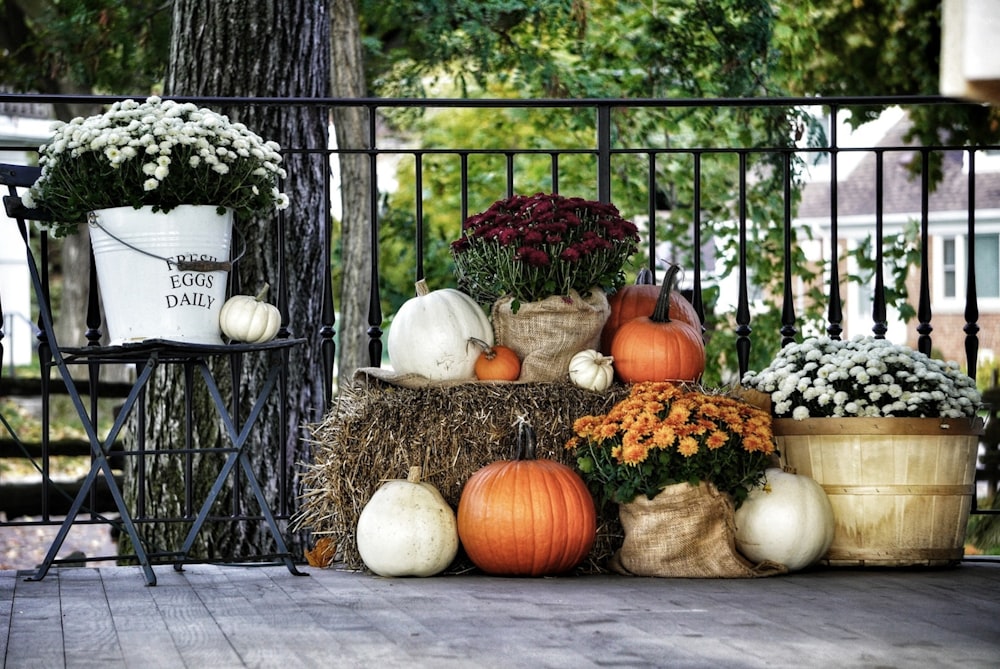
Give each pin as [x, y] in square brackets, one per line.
[413, 42]
[573, 49]
[53, 46]
[876, 47]
[688, 49]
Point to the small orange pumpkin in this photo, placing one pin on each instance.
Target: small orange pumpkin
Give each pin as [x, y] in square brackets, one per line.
[656, 347]
[496, 363]
[639, 299]
[526, 517]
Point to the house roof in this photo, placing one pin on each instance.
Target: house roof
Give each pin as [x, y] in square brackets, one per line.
[856, 190]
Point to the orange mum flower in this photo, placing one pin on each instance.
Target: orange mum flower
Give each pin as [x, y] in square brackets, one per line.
[676, 433]
[687, 446]
[717, 439]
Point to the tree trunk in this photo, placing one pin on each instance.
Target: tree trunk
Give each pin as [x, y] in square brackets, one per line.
[234, 48]
[351, 126]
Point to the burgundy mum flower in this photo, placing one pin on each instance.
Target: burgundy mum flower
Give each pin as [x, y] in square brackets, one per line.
[534, 257]
[534, 246]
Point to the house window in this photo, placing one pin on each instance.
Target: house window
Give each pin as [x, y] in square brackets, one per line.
[988, 265]
[951, 272]
[987, 160]
[948, 267]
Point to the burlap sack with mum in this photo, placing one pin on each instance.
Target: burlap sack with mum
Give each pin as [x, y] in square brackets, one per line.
[547, 333]
[685, 531]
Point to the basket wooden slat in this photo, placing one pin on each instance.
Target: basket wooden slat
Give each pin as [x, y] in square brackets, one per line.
[901, 488]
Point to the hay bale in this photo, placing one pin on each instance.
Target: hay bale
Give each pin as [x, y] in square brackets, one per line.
[377, 430]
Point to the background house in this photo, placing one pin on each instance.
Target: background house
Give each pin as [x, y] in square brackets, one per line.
[20, 125]
[948, 210]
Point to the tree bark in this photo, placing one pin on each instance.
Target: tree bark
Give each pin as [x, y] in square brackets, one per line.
[236, 48]
[351, 127]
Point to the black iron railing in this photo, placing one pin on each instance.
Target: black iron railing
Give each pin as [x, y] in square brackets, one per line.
[639, 176]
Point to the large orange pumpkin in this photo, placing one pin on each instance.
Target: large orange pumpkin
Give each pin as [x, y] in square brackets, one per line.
[526, 517]
[639, 300]
[657, 347]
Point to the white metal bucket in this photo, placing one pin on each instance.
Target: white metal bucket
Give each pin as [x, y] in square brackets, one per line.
[149, 286]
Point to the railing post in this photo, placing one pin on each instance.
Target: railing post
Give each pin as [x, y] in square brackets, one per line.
[835, 313]
[924, 326]
[418, 213]
[879, 318]
[604, 153]
[696, 299]
[788, 329]
[328, 316]
[971, 328]
[374, 303]
[743, 328]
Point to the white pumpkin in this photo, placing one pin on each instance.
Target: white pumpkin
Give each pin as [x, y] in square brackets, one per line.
[250, 319]
[788, 520]
[591, 370]
[430, 335]
[407, 529]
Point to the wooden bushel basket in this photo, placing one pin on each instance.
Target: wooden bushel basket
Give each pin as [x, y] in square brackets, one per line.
[901, 488]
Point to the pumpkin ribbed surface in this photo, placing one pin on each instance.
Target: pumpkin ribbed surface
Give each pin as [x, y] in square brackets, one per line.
[657, 347]
[526, 518]
[640, 300]
[648, 351]
[430, 334]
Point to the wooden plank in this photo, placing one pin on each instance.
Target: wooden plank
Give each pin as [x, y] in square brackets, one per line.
[88, 629]
[194, 631]
[8, 580]
[143, 633]
[36, 636]
[261, 620]
[233, 616]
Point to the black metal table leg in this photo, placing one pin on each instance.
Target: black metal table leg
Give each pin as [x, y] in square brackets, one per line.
[238, 455]
[100, 464]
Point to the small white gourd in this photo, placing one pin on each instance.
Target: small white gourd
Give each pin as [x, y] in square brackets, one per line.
[430, 335]
[407, 529]
[250, 319]
[788, 520]
[591, 370]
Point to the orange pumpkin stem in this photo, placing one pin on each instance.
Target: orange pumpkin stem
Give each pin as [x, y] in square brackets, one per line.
[645, 277]
[488, 351]
[661, 312]
[526, 440]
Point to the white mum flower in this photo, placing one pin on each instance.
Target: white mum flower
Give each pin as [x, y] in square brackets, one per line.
[800, 412]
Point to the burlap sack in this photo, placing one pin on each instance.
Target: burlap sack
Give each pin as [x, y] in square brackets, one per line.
[685, 531]
[547, 333]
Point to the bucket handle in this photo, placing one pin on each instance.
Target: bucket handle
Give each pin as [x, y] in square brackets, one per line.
[181, 265]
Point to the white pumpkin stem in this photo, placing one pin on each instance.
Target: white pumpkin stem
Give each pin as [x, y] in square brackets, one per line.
[263, 292]
[422, 288]
[414, 474]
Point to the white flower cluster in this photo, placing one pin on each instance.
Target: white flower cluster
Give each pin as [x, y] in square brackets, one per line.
[154, 144]
[864, 376]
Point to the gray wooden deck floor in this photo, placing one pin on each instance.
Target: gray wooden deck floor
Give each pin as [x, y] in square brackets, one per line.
[220, 617]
